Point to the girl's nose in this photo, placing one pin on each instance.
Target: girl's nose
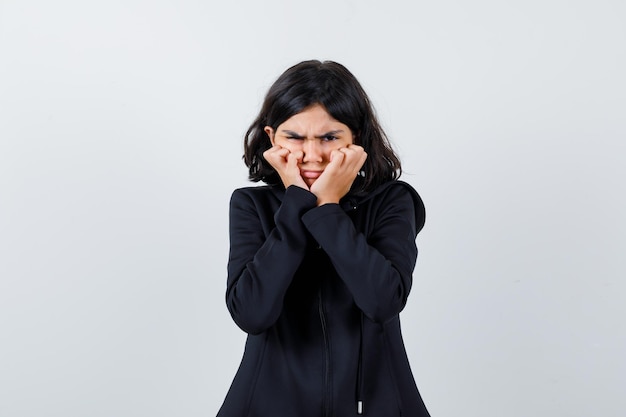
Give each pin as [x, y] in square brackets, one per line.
[312, 150]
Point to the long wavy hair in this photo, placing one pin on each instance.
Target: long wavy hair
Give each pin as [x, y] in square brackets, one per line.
[331, 85]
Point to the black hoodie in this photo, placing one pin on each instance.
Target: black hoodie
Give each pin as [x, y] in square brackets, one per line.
[319, 291]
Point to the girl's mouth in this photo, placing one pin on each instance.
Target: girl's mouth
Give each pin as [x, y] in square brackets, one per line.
[310, 174]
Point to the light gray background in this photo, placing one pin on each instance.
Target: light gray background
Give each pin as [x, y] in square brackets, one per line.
[121, 126]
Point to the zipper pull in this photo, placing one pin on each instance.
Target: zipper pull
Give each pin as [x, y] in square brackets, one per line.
[359, 407]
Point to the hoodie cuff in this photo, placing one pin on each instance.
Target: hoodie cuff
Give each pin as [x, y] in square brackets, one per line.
[300, 197]
[323, 213]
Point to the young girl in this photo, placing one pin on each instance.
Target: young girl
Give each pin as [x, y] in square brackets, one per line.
[321, 259]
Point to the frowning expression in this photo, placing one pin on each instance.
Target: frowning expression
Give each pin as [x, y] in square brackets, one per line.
[314, 132]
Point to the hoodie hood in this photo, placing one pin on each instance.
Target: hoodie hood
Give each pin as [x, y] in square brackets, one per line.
[353, 199]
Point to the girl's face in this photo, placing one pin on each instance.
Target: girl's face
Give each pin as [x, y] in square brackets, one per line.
[316, 134]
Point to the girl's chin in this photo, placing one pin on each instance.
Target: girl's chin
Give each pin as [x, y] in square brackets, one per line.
[309, 181]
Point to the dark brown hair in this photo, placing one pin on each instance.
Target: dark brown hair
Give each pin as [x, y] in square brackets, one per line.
[331, 85]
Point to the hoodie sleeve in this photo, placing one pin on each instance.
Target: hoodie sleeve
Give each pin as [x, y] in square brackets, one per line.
[263, 257]
[378, 269]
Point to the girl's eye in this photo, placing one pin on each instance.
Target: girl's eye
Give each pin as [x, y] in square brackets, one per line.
[294, 138]
[329, 138]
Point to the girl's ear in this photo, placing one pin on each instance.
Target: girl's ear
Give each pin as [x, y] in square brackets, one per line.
[270, 133]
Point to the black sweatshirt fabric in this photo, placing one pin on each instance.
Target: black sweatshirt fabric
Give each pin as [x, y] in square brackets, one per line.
[319, 291]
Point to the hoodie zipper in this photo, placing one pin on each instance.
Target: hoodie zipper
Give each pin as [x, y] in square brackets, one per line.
[327, 380]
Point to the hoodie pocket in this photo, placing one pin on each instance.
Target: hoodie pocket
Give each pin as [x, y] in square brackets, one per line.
[286, 385]
[392, 374]
[380, 395]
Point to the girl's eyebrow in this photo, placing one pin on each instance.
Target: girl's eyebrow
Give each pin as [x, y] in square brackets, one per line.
[331, 133]
[295, 135]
